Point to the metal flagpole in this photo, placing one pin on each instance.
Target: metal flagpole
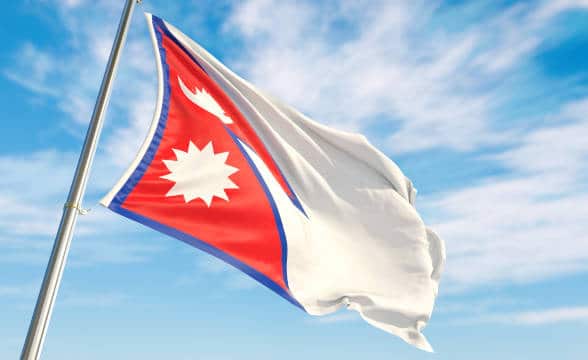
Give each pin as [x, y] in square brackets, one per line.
[40, 320]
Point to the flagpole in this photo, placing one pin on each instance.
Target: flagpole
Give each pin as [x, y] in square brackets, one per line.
[73, 206]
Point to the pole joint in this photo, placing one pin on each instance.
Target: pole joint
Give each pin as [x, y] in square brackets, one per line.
[78, 207]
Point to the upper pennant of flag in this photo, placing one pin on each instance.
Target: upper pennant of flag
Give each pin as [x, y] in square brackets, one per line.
[246, 229]
[200, 174]
[203, 99]
[207, 102]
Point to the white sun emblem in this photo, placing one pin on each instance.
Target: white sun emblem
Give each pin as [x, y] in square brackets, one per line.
[200, 174]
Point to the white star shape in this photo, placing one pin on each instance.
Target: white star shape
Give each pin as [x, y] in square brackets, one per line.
[200, 174]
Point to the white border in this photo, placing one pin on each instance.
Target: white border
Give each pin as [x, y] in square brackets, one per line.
[107, 199]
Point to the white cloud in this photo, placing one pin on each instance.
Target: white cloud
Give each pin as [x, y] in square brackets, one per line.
[551, 8]
[223, 273]
[28, 191]
[211, 265]
[530, 224]
[14, 291]
[555, 150]
[34, 186]
[532, 318]
[33, 189]
[477, 306]
[439, 87]
[65, 4]
[70, 72]
[551, 316]
[94, 301]
[31, 70]
[240, 281]
[353, 66]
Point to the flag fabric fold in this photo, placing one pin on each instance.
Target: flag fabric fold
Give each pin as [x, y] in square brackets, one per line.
[318, 215]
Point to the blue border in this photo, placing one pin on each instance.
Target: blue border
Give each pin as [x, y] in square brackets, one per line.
[163, 27]
[272, 202]
[132, 181]
[191, 240]
[116, 203]
[159, 22]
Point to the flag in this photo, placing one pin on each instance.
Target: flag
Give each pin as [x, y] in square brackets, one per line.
[319, 216]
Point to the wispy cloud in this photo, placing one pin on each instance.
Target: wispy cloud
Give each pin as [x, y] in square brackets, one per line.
[94, 301]
[402, 65]
[530, 224]
[532, 318]
[416, 75]
[550, 316]
[70, 72]
[32, 69]
[478, 306]
[396, 64]
[223, 273]
[35, 185]
[28, 192]
[33, 189]
[8, 291]
[16, 291]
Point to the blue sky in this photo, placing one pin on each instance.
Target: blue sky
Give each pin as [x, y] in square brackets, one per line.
[484, 105]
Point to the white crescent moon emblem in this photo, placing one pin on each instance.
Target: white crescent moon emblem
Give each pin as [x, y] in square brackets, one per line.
[204, 100]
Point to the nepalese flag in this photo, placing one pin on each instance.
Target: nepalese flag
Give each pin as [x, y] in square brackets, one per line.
[317, 215]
